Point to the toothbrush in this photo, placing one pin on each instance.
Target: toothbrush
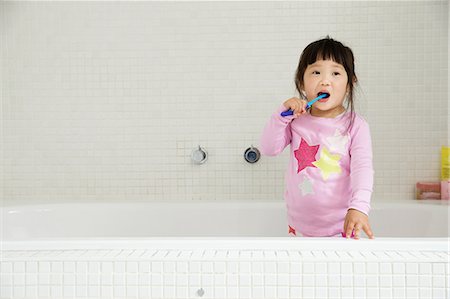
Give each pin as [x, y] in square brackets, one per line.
[321, 96]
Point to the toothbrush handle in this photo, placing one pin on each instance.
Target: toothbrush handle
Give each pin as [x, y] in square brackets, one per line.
[287, 112]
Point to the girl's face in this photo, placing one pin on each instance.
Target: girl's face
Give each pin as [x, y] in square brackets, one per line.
[326, 76]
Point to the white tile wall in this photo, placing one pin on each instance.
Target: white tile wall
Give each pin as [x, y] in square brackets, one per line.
[222, 273]
[106, 100]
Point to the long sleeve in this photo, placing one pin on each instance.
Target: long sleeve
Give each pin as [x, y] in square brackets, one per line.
[361, 168]
[277, 134]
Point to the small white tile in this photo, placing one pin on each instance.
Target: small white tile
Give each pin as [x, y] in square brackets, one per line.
[118, 279]
[168, 279]
[321, 280]
[425, 268]
[107, 267]
[220, 292]
[372, 293]
[144, 267]
[372, 268]
[244, 267]
[283, 267]
[107, 291]
[56, 291]
[308, 268]
[32, 267]
[270, 267]
[220, 267]
[232, 292]
[438, 269]
[425, 292]
[170, 267]
[398, 293]
[7, 267]
[57, 267]
[321, 268]
[207, 279]
[347, 293]
[372, 281]
[346, 268]
[359, 293]
[412, 280]
[386, 293]
[156, 279]
[69, 279]
[68, 291]
[245, 292]
[30, 291]
[132, 291]
[412, 268]
[438, 281]
[359, 268]
[385, 281]
[321, 292]
[334, 268]
[412, 293]
[425, 281]
[43, 291]
[295, 280]
[220, 279]
[308, 280]
[257, 267]
[82, 267]
[439, 293]
[81, 291]
[308, 292]
[270, 292]
[347, 280]
[182, 292]
[334, 281]
[385, 268]
[245, 279]
[283, 292]
[157, 267]
[194, 278]
[93, 267]
[232, 267]
[56, 279]
[257, 292]
[156, 291]
[93, 279]
[296, 268]
[398, 281]
[270, 279]
[398, 268]
[19, 279]
[44, 267]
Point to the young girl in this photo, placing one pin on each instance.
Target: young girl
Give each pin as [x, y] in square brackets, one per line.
[330, 176]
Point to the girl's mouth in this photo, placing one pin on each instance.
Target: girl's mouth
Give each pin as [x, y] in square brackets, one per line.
[324, 99]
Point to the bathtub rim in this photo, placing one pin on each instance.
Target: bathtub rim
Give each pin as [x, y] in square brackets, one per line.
[279, 243]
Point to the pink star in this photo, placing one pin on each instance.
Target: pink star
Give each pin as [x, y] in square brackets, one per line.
[305, 155]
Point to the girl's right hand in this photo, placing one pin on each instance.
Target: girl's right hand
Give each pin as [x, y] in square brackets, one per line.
[297, 105]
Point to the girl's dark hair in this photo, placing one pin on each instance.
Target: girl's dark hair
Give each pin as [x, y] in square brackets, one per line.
[329, 49]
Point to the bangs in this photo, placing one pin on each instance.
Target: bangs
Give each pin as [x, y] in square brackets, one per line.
[326, 49]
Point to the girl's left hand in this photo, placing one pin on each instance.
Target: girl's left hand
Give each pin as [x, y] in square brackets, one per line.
[356, 220]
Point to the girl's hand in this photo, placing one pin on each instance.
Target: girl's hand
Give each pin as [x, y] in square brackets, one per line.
[356, 220]
[296, 105]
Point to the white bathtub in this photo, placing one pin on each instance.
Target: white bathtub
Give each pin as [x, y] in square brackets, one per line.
[202, 219]
[218, 250]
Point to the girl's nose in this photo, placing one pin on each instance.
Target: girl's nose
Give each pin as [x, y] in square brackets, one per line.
[325, 82]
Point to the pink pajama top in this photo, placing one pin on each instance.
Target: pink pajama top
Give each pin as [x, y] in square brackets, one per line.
[330, 170]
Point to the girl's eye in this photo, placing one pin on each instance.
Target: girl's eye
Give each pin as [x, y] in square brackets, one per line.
[336, 73]
[316, 72]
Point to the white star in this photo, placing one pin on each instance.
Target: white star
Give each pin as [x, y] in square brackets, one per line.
[306, 186]
[338, 142]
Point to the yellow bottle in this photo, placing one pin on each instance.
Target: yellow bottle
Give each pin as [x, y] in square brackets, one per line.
[445, 173]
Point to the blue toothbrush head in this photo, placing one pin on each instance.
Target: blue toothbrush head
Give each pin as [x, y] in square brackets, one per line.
[326, 95]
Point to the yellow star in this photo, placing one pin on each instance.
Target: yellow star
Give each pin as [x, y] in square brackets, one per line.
[328, 163]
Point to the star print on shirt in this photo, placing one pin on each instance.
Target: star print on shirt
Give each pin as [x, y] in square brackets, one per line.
[306, 186]
[338, 142]
[328, 163]
[305, 155]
